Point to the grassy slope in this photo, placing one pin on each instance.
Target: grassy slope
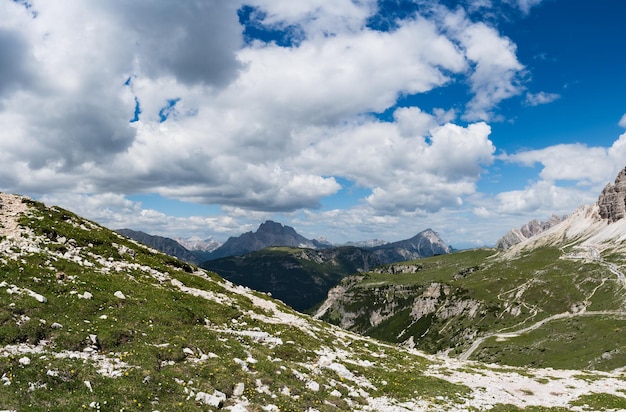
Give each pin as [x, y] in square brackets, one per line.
[514, 294]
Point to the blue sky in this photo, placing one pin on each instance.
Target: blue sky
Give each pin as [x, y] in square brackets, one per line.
[344, 119]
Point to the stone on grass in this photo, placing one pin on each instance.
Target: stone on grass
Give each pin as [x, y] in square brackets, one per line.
[216, 400]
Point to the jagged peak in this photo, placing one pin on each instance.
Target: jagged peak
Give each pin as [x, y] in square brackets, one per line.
[527, 231]
[612, 200]
[269, 226]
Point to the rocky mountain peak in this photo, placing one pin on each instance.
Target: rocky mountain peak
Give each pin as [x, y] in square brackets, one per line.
[275, 228]
[612, 200]
[268, 234]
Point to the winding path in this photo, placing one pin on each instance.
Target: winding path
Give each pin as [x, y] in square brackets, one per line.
[479, 341]
[595, 255]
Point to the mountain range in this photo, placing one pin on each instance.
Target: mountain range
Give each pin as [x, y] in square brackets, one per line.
[195, 243]
[90, 320]
[301, 277]
[166, 245]
[299, 271]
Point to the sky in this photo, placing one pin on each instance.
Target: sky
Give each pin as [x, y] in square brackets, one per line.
[345, 119]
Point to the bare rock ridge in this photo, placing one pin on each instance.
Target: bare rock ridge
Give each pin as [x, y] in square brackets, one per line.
[612, 200]
[610, 208]
[530, 229]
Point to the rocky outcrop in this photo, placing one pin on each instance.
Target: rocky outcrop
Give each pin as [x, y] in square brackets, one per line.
[398, 268]
[612, 200]
[530, 229]
[407, 314]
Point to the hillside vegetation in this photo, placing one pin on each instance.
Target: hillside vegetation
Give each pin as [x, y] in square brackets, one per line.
[90, 320]
[546, 307]
[299, 277]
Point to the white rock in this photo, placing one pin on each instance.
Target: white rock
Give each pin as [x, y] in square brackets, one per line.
[188, 351]
[214, 400]
[38, 297]
[24, 361]
[118, 294]
[86, 295]
[336, 393]
[239, 388]
[88, 385]
[56, 325]
[238, 408]
[313, 386]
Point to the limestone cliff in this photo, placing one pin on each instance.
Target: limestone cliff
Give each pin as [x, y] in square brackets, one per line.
[530, 229]
[612, 200]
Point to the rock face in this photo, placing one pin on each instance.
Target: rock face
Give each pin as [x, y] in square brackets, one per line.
[268, 234]
[406, 314]
[612, 201]
[530, 229]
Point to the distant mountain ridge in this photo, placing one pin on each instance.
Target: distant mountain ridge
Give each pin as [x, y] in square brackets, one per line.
[366, 243]
[196, 243]
[268, 234]
[424, 244]
[301, 277]
[530, 229]
[163, 244]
